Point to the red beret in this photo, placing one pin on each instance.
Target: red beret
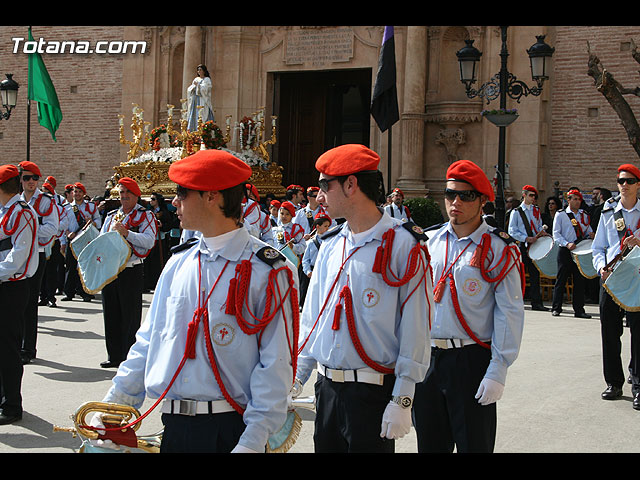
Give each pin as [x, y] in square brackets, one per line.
[322, 215]
[51, 181]
[289, 206]
[209, 170]
[574, 192]
[632, 169]
[313, 189]
[346, 160]
[252, 188]
[7, 172]
[69, 186]
[80, 186]
[469, 172]
[31, 167]
[295, 187]
[131, 185]
[530, 189]
[49, 187]
[398, 191]
[275, 203]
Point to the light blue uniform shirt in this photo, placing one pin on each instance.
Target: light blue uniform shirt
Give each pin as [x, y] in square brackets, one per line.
[256, 369]
[563, 230]
[310, 255]
[392, 335]
[144, 239]
[49, 225]
[517, 229]
[493, 313]
[13, 261]
[606, 243]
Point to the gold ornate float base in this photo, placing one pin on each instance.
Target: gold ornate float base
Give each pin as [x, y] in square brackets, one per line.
[153, 177]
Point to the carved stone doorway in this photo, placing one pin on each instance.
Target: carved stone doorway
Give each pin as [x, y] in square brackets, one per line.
[318, 110]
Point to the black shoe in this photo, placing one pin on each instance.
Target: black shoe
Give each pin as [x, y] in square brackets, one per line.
[6, 419]
[582, 315]
[109, 364]
[555, 313]
[42, 303]
[611, 393]
[52, 304]
[66, 299]
[88, 298]
[539, 308]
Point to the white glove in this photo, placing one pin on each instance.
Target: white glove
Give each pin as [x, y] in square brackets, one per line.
[396, 421]
[96, 422]
[242, 449]
[489, 391]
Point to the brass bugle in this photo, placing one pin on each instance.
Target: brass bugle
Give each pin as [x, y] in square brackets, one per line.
[304, 402]
[113, 415]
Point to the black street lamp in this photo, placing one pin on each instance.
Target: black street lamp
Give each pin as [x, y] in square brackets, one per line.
[8, 95]
[500, 85]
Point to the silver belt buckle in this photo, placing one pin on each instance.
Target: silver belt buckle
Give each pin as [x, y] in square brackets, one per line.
[337, 376]
[188, 407]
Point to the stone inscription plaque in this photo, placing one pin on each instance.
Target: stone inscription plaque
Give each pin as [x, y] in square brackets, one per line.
[318, 47]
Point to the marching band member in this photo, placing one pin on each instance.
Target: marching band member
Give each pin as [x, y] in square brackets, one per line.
[295, 195]
[222, 324]
[525, 225]
[569, 227]
[306, 216]
[88, 210]
[366, 317]
[254, 219]
[477, 323]
[122, 298]
[396, 209]
[18, 262]
[274, 208]
[321, 224]
[48, 224]
[288, 232]
[618, 228]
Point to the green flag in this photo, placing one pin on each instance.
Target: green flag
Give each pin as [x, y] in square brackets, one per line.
[41, 90]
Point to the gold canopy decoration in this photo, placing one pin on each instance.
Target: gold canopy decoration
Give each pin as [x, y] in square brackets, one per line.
[151, 152]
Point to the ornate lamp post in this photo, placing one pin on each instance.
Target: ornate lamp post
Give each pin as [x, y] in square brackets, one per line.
[8, 95]
[500, 85]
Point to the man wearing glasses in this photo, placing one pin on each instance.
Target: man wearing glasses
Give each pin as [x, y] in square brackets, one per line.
[48, 224]
[306, 216]
[365, 321]
[525, 225]
[477, 323]
[618, 228]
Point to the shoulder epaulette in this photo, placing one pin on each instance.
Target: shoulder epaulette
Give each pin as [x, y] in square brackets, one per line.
[333, 231]
[434, 227]
[609, 204]
[503, 235]
[184, 246]
[269, 255]
[23, 204]
[416, 231]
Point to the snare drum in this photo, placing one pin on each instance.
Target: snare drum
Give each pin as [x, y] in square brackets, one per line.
[584, 259]
[544, 255]
[102, 260]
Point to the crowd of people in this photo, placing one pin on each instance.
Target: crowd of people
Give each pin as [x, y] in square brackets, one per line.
[405, 327]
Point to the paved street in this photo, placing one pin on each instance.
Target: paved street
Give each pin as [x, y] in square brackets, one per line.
[551, 401]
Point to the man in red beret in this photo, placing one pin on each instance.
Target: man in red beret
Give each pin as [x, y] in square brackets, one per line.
[18, 262]
[618, 228]
[365, 320]
[48, 224]
[525, 225]
[222, 322]
[306, 215]
[83, 213]
[396, 209]
[570, 227]
[295, 195]
[477, 322]
[122, 298]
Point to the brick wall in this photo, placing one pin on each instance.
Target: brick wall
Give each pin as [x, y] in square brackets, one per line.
[89, 90]
[587, 140]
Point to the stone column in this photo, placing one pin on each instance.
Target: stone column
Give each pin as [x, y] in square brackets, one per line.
[192, 56]
[411, 179]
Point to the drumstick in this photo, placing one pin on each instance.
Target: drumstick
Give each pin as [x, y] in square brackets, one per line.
[618, 257]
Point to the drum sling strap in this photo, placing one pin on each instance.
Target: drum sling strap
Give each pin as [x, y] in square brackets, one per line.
[576, 227]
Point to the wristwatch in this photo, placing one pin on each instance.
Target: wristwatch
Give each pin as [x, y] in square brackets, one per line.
[404, 402]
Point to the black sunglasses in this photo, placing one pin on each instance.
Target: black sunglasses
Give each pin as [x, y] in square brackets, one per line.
[26, 178]
[323, 183]
[465, 195]
[628, 180]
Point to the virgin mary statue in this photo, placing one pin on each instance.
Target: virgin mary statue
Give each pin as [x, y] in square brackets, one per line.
[199, 94]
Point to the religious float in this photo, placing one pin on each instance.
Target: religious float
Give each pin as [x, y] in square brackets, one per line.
[151, 151]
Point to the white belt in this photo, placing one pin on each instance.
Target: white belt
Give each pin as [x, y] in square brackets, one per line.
[445, 343]
[195, 407]
[361, 376]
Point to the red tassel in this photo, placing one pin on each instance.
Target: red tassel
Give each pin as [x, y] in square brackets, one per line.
[476, 258]
[438, 292]
[336, 317]
[192, 332]
[377, 263]
[230, 309]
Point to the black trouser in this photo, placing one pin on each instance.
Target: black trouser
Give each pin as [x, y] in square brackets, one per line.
[13, 298]
[30, 329]
[611, 328]
[304, 285]
[349, 416]
[445, 410]
[50, 279]
[72, 284]
[534, 278]
[566, 267]
[122, 311]
[209, 433]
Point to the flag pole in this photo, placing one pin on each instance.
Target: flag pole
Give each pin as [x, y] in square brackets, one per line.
[28, 122]
[389, 161]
